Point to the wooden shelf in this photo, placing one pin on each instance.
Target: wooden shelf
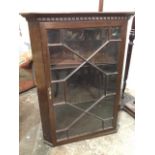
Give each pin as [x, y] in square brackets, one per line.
[70, 64]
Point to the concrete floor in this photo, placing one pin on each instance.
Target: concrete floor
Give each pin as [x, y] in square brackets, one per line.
[31, 143]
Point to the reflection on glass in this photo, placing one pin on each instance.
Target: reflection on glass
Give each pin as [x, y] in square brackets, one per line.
[61, 56]
[107, 55]
[85, 41]
[78, 83]
[63, 62]
[53, 36]
[116, 32]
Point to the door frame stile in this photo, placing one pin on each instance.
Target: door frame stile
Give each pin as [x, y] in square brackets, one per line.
[119, 70]
[46, 58]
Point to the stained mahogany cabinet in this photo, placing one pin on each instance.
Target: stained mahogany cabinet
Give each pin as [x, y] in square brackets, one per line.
[78, 59]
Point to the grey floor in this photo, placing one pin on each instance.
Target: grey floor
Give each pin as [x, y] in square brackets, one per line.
[31, 143]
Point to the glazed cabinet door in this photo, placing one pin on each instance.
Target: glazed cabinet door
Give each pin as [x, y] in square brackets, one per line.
[83, 68]
[78, 59]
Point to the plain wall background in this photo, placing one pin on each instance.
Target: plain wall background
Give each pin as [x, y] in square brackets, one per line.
[77, 6]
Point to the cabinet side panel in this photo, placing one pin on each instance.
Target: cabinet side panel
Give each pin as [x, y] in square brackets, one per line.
[47, 70]
[35, 38]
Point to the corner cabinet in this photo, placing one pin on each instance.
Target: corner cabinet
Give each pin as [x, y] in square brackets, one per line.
[78, 59]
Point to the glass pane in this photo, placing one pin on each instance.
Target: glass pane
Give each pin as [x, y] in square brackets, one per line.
[61, 135]
[87, 124]
[65, 114]
[61, 73]
[107, 55]
[108, 68]
[63, 62]
[84, 86]
[115, 32]
[58, 92]
[79, 86]
[104, 108]
[108, 124]
[53, 36]
[85, 41]
[111, 83]
[62, 57]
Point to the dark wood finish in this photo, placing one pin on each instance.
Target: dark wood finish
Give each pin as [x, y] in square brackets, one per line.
[35, 37]
[39, 24]
[119, 77]
[129, 53]
[98, 134]
[129, 107]
[46, 58]
[92, 135]
[128, 104]
[83, 24]
[67, 16]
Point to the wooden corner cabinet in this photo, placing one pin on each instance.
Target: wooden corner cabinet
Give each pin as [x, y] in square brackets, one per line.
[78, 59]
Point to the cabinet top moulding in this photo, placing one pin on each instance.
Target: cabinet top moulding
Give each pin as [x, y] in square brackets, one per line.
[87, 16]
